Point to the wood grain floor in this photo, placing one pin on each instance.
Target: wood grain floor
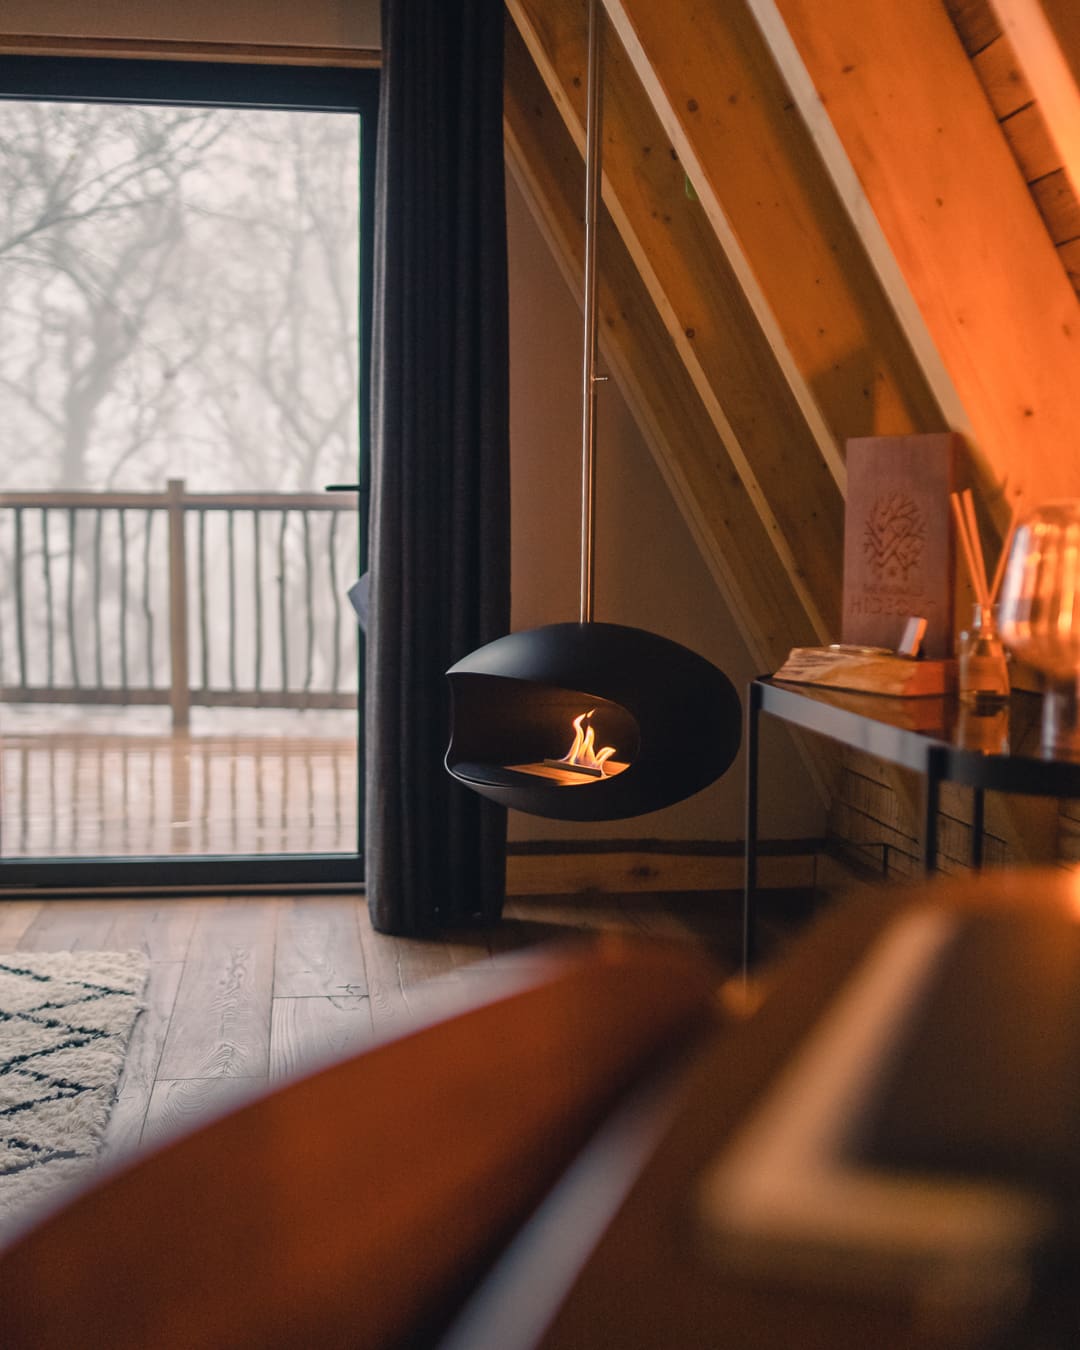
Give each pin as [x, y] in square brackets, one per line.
[246, 991]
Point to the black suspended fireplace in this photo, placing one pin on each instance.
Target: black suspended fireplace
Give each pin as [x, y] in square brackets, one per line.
[535, 712]
[590, 721]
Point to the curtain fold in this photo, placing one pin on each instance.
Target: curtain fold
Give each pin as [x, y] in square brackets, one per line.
[435, 853]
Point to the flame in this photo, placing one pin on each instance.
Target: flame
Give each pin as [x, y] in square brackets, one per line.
[582, 752]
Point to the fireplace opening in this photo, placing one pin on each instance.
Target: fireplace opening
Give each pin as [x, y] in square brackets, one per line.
[513, 730]
[585, 756]
[590, 721]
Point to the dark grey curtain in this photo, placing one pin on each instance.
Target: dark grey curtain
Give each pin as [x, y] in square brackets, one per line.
[440, 545]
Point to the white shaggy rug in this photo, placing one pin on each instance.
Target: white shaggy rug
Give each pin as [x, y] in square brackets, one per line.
[65, 1020]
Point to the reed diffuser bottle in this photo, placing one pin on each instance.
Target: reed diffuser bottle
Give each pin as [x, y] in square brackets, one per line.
[983, 675]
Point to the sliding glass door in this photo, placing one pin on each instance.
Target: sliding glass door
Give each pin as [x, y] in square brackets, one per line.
[184, 314]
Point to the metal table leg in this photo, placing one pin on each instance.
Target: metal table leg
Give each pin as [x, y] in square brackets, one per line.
[977, 817]
[749, 944]
[931, 802]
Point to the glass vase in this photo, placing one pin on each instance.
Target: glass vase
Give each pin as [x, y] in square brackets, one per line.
[1061, 719]
[1040, 616]
[983, 675]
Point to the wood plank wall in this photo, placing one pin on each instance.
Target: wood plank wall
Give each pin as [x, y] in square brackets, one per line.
[871, 826]
[995, 63]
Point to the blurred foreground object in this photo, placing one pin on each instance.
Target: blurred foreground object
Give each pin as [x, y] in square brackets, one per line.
[887, 1153]
[354, 1207]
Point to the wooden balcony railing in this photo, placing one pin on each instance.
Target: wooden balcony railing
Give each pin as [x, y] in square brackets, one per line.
[178, 598]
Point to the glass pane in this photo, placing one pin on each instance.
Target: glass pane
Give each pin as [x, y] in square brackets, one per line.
[179, 370]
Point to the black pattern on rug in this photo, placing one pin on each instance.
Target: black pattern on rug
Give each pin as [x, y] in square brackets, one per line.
[65, 1021]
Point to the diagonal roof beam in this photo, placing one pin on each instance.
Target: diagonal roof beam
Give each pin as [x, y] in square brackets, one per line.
[907, 112]
[686, 446]
[731, 118]
[789, 466]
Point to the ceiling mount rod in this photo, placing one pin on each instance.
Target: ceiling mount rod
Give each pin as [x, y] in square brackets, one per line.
[590, 377]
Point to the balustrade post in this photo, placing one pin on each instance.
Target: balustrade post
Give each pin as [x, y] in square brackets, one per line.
[180, 691]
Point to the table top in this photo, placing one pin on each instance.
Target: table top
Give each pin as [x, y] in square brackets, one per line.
[997, 749]
[619, 1255]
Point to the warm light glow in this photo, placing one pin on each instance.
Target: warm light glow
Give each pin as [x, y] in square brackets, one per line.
[1073, 902]
[583, 753]
[1040, 598]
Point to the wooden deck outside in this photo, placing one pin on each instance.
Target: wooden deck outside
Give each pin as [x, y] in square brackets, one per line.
[94, 793]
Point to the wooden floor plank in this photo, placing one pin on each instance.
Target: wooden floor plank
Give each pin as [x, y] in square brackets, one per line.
[220, 1025]
[68, 925]
[390, 1011]
[571, 914]
[160, 928]
[308, 1032]
[521, 931]
[125, 1129]
[179, 1105]
[530, 923]
[422, 959]
[474, 984]
[318, 949]
[16, 916]
[429, 1001]
[655, 920]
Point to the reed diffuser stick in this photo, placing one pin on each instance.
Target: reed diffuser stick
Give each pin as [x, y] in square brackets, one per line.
[986, 592]
[965, 543]
[982, 591]
[999, 571]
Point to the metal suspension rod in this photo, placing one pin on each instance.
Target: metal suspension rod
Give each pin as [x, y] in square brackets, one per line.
[590, 378]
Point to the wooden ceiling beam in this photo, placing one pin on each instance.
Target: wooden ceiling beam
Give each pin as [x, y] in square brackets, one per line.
[717, 93]
[1045, 36]
[899, 112]
[788, 465]
[688, 450]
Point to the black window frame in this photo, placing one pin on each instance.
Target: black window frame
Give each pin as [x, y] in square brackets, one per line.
[218, 84]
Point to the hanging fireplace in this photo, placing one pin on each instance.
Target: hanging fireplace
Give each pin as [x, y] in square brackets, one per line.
[524, 703]
[590, 721]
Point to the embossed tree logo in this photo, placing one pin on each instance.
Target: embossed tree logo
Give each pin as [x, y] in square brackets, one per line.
[894, 537]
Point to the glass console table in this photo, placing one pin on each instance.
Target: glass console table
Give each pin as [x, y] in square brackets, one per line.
[938, 738]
